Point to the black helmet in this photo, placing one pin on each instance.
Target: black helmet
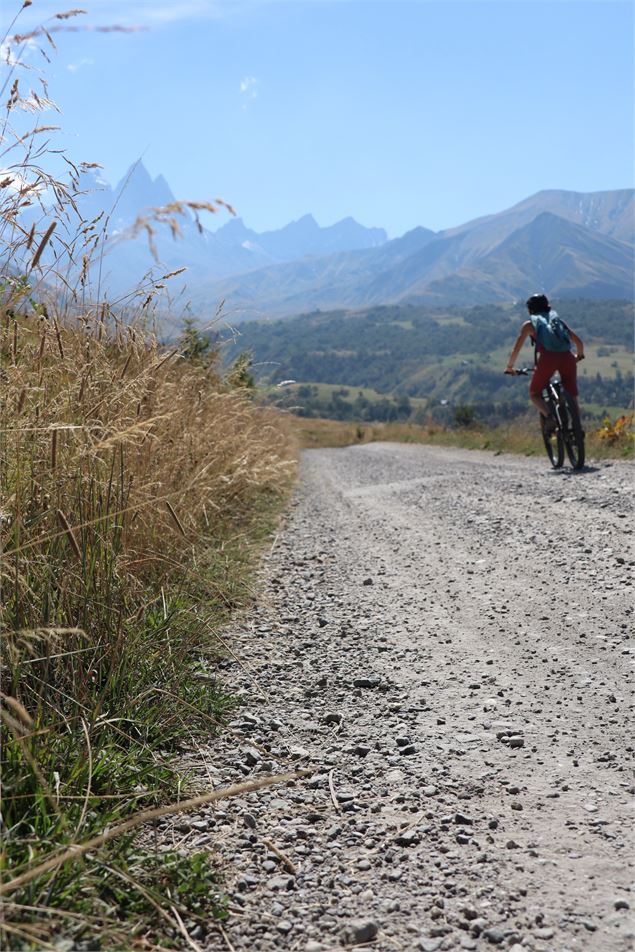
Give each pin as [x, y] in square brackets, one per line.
[538, 304]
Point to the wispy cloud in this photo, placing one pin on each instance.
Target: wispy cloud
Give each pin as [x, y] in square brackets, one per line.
[74, 67]
[147, 13]
[249, 88]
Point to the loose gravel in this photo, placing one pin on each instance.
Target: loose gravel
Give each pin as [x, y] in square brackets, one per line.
[444, 639]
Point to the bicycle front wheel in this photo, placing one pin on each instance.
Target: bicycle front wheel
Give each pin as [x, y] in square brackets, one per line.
[573, 432]
[554, 445]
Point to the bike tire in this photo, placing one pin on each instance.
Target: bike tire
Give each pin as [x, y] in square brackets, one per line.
[573, 433]
[554, 445]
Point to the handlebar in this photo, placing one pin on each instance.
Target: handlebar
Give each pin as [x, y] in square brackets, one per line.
[525, 371]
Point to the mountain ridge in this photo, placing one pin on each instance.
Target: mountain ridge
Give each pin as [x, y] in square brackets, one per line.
[583, 247]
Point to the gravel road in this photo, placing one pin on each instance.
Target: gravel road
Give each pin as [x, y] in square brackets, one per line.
[443, 636]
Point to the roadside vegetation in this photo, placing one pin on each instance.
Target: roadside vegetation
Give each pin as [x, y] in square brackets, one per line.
[138, 482]
[135, 487]
[614, 439]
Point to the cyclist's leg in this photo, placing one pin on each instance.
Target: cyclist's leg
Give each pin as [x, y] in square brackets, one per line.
[568, 369]
[543, 371]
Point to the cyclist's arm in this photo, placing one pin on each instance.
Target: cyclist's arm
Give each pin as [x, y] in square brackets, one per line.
[577, 343]
[518, 346]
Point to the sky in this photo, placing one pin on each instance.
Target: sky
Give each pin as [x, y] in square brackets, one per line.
[398, 114]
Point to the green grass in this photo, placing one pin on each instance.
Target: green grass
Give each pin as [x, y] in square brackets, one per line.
[113, 749]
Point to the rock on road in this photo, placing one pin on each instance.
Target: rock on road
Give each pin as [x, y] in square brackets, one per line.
[443, 637]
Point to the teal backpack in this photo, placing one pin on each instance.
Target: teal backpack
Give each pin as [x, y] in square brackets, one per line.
[551, 332]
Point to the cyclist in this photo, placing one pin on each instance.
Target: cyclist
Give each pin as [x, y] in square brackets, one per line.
[548, 360]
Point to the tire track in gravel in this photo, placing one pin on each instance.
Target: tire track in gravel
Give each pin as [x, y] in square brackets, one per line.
[446, 636]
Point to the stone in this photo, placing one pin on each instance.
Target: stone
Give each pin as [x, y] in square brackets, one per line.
[543, 933]
[495, 936]
[430, 945]
[358, 931]
[478, 925]
[281, 883]
[251, 756]
[408, 751]
[366, 682]
[408, 838]
[361, 750]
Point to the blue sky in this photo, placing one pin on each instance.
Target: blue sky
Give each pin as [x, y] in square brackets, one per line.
[397, 113]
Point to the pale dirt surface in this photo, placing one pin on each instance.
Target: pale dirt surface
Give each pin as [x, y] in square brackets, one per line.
[477, 597]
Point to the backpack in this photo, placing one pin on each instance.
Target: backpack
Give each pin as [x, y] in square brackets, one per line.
[551, 332]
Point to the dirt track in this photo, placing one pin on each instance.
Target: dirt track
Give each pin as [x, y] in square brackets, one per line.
[444, 637]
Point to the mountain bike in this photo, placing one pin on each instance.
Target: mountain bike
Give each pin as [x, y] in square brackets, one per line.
[568, 433]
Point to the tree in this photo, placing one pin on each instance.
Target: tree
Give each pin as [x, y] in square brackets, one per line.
[464, 415]
[196, 346]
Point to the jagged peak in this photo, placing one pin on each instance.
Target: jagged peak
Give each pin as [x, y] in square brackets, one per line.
[137, 172]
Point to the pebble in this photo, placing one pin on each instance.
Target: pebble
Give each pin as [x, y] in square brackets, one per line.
[282, 883]
[361, 750]
[543, 933]
[366, 682]
[358, 931]
[495, 936]
[409, 838]
[430, 945]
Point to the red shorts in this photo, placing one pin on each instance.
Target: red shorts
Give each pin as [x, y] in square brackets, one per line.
[548, 363]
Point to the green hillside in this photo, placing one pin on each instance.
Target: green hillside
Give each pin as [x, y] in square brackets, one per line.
[416, 358]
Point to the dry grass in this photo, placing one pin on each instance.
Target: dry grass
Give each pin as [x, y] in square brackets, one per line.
[135, 485]
[608, 442]
[113, 455]
[132, 482]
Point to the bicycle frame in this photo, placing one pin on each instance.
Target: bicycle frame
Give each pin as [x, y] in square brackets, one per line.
[568, 434]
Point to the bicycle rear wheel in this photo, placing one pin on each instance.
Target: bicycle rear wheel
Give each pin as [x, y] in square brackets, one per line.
[573, 432]
[554, 445]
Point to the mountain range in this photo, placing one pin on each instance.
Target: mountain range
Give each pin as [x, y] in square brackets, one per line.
[568, 244]
[232, 249]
